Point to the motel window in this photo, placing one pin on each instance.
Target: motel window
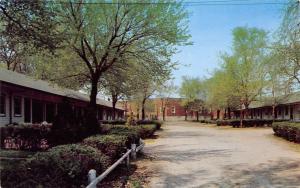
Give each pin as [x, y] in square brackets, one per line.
[2, 105]
[286, 110]
[173, 110]
[17, 106]
[279, 111]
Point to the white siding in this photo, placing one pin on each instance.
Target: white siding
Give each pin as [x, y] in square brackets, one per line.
[5, 119]
[297, 112]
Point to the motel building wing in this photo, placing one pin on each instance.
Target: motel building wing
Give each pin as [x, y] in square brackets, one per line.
[26, 100]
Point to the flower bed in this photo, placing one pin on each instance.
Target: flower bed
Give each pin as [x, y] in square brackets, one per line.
[288, 130]
[25, 137]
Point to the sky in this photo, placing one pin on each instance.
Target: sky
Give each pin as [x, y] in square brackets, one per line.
[211, 26]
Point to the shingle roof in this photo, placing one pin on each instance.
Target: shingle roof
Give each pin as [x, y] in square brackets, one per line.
[29, 82]
[284, 99]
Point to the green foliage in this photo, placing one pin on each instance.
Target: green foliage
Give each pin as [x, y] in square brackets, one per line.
[194, 93]
[146, 131]
[131, 134]
[61, 166]
[24, 22]
[157, 123]
[111, 145]
[287, 44]
[287, 130]
[246, 122]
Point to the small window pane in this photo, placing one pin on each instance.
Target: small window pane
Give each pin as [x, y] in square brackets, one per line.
[2, 104]
[17, 106]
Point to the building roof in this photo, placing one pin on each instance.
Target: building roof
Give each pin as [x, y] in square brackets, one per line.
[284, 99]
[29, 82]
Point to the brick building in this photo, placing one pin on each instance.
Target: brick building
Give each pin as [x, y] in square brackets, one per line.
[155, 107]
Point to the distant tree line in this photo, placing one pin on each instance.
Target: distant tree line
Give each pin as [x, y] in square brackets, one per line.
[257, 67]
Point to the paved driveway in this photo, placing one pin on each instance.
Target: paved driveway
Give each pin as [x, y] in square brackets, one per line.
[196, 155]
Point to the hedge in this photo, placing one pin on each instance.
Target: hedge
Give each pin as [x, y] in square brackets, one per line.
[246, 122]
[61, 166]
[288, 130]
[132, 135]
[139, 122]
[148, 122]
[111, 145]
[207, 121]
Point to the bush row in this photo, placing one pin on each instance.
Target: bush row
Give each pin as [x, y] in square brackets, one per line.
[207, 121]
[40, 137]
[246, 122]
[287, 130]
[139, 122]
[68, 165]
[61, 166]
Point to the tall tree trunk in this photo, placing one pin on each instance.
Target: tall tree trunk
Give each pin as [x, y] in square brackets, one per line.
[143, 109]
[185, 118]
[197, 113]
[218, 114]
[91, 116]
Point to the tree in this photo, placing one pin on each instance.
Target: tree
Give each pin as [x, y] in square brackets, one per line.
[147, 83]
[220, 93]
[278, 85]
[288, 43]
[117, 84]
[245, 65]
[101, 33]
[30, 23]
[193, 93]
[12, 54]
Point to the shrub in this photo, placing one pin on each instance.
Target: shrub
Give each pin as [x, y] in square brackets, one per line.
[246, 122]
[61, 166]
[148, 122]
[208, 121]
[131, 134]
[146, 131]
[111, 145]
[287, 130]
